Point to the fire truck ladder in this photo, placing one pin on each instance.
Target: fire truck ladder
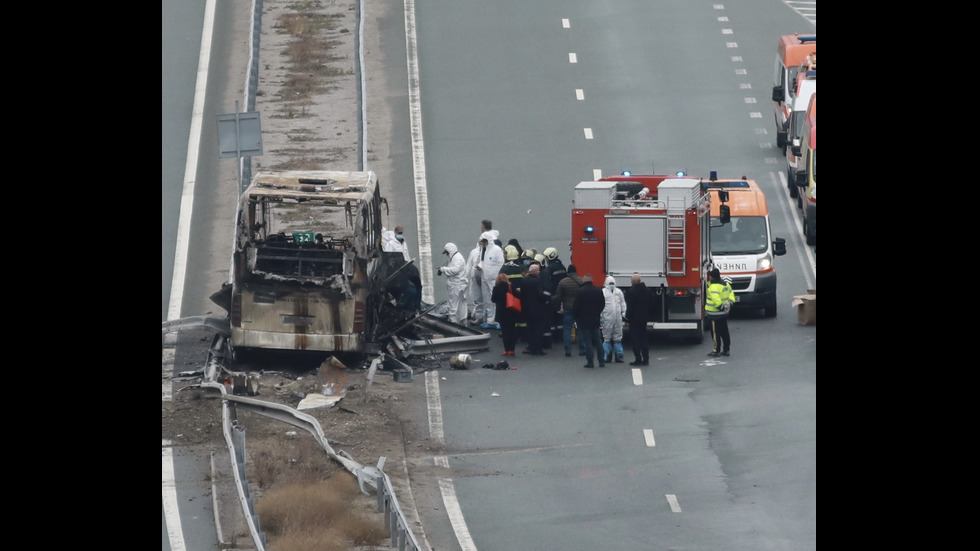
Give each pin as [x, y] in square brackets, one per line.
[676, 242]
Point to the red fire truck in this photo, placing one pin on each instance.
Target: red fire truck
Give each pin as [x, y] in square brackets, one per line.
[657, 226]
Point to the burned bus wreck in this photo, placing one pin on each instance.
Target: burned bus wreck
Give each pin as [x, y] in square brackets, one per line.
[308, 269]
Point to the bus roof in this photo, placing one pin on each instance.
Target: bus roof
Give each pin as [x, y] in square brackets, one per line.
[314, 184]
[793, 48]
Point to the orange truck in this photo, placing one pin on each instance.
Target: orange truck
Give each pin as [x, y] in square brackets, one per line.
[791, 55]
[806, 177]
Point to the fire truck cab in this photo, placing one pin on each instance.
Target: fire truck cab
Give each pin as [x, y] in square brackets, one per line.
[656, 226]
[743, 247]
[791, 53]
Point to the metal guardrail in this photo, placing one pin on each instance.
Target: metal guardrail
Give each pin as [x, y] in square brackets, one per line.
[374, 476]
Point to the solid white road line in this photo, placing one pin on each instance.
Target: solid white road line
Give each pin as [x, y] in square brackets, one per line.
[170, 511]
[446, 487]
[418, 156]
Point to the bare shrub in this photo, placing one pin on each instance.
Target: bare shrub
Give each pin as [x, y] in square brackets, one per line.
[291, 461]
[317, 516]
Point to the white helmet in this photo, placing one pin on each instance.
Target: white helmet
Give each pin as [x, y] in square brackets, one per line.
[551, 253]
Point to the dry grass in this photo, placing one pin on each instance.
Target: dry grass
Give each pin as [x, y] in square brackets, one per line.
[309, 53]
[303, 159]
[317, 517]
[310, 503]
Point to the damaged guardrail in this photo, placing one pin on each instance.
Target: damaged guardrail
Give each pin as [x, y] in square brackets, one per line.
[373, 476]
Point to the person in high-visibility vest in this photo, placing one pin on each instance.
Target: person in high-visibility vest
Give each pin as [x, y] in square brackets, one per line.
[716, 307]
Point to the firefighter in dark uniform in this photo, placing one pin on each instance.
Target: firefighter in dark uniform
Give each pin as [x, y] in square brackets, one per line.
[551, 274]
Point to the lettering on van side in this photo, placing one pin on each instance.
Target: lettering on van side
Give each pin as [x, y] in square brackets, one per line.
[732, 266]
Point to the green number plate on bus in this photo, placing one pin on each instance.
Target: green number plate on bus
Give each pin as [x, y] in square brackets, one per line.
[303, 237]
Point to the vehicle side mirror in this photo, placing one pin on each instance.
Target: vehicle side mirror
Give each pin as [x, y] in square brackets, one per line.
[779, 246]
[777, 93]
[801, 178]
[725, 213]
[723, 195]
[796, 151]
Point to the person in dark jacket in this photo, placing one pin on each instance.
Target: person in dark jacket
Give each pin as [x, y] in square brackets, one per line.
[515, 272]
[505, 317]
[638, 314]
[552, 272]
[565, 297]
[410, 297]
[535, 309]
[588, 308]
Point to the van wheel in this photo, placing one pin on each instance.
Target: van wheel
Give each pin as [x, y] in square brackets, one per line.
[794, 190]
[770, 309]
[810, 239]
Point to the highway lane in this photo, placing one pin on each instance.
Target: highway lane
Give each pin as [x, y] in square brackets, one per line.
[520, 101]
[196, 88]
[182, 22]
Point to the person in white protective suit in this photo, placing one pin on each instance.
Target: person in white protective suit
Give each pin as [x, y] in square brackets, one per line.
[455, 272]
[491, 259]
[395, 241]
[474, 292]
[612, 321]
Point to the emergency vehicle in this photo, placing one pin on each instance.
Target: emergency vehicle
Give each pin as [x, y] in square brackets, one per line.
[791, 52]
[806, 86]
[743, 247]
[656, 226]
[807, 176]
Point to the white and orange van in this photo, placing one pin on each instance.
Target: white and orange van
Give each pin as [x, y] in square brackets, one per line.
[806, 177]
[742, 246]
[791, 53]
[806, 86]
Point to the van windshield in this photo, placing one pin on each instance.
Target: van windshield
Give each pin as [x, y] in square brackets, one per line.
[743, 235]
